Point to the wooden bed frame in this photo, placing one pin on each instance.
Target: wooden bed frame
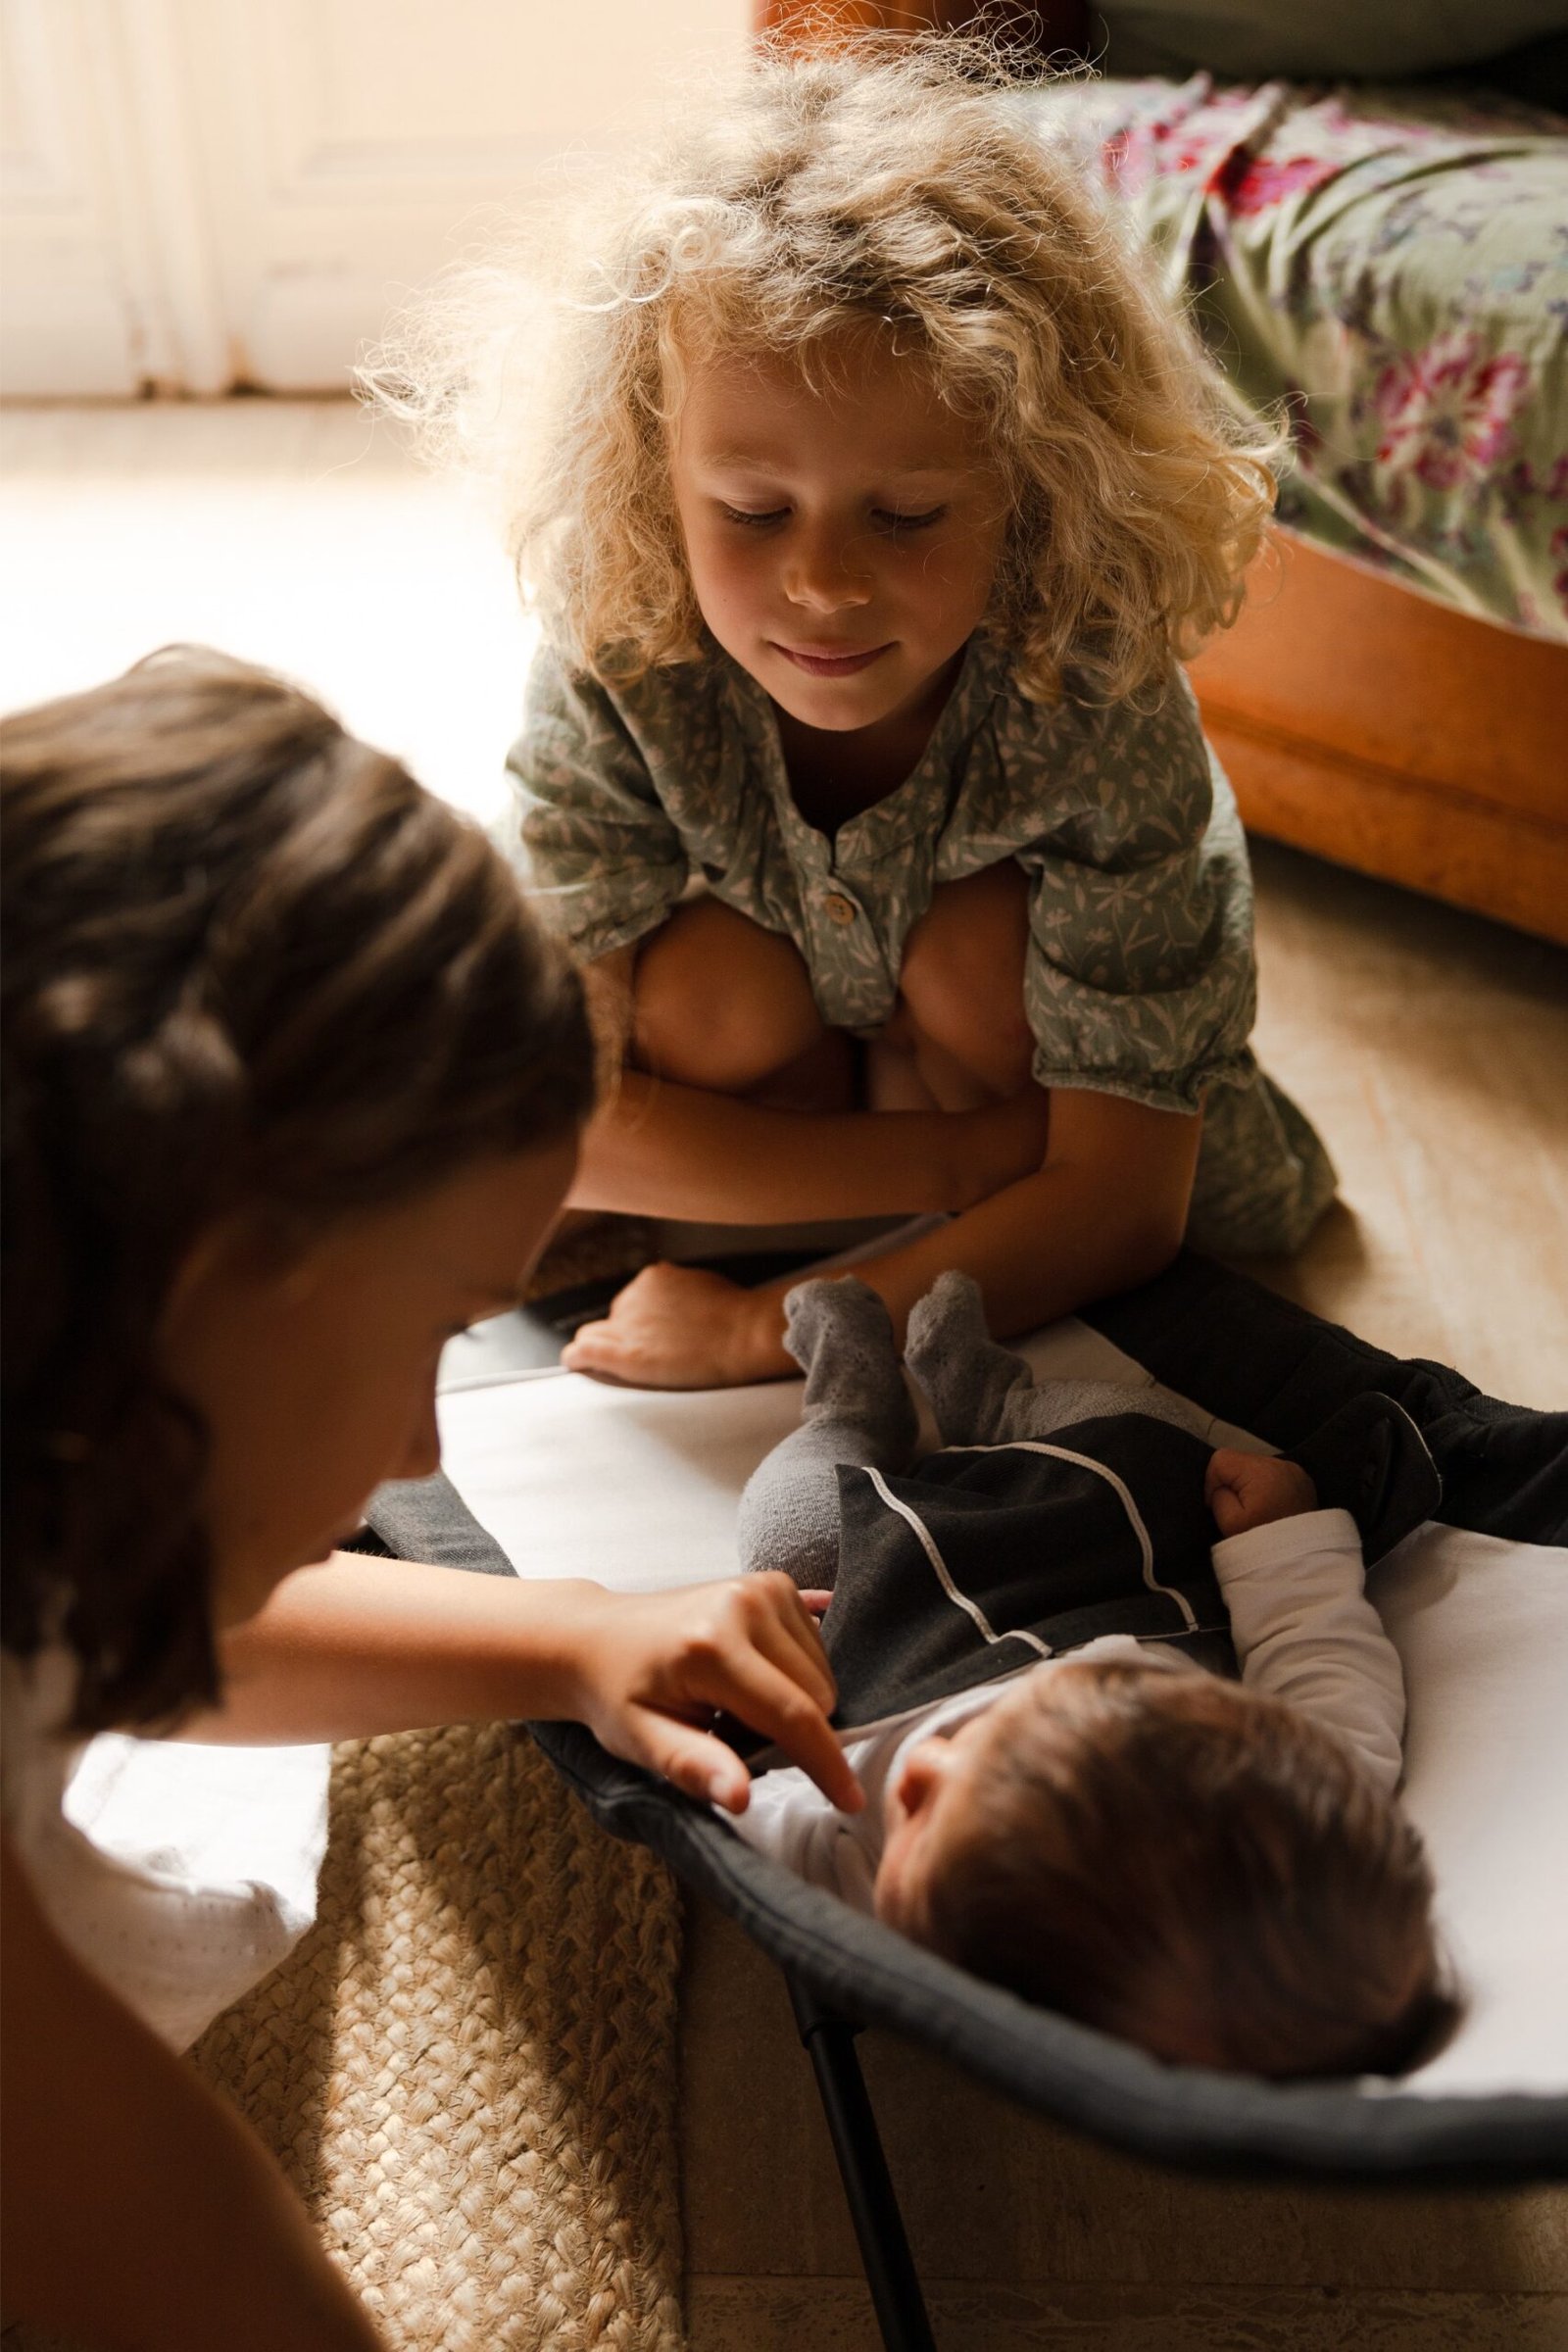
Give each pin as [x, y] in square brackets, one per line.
[1354, 717]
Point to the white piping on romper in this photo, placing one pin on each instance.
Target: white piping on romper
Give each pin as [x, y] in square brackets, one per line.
[1086, 1461]
[1060, 1453]
[928, 1545]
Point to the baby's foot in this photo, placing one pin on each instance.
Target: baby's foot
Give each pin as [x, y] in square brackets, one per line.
[968, 1377]
[840, 1336]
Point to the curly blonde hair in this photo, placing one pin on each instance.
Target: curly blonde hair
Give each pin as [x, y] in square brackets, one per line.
[886, 184]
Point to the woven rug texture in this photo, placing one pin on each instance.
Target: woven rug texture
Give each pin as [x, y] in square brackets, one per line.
[467, 2068]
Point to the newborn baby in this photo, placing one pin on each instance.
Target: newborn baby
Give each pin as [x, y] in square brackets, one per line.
[1214, 1870]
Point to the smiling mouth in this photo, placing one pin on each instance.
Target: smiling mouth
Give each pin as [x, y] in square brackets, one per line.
[824, 663]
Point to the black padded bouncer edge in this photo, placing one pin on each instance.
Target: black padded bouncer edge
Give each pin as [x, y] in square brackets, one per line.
[1184, 2116]
[1269, 1367]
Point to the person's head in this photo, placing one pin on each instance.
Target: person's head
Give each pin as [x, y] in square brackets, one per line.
[859, 362]
[1175, 1860]
[292, 1087]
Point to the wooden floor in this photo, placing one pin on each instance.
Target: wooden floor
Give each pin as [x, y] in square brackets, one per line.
[1431, 1047]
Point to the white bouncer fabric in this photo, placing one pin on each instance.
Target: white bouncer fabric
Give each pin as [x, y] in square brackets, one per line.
[639, 1490]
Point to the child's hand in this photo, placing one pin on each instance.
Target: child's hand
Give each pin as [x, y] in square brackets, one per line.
[676, 1327]
[654, 1669]
[1245, 1491]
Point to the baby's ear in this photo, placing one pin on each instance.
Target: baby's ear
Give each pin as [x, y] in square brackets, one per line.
[924, 1773]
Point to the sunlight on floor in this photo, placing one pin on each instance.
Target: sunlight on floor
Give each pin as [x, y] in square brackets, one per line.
[294, 533]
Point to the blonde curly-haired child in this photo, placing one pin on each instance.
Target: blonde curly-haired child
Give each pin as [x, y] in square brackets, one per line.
[872, 495]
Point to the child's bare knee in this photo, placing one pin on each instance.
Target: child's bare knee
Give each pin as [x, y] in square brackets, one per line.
[718, 1002]
[962, 975]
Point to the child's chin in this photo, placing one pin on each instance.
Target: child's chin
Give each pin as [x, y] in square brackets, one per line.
[831, 705]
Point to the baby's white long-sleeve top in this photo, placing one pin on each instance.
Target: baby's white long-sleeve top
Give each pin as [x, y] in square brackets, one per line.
[1304, 1632]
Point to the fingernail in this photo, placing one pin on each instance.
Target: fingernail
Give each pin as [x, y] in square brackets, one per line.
[724, 1790]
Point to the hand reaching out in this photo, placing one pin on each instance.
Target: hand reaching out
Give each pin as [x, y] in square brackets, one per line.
[654, 1669]
[1245, 1491]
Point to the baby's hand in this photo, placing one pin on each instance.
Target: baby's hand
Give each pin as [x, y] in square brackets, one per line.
[1245, 1491]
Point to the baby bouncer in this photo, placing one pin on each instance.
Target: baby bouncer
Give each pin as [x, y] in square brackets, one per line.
[551, 1475]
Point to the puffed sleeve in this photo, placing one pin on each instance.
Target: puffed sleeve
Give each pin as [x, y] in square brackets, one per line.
[591, 837]
[1139, 978]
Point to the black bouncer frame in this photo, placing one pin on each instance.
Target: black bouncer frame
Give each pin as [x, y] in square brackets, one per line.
[1263, 1365]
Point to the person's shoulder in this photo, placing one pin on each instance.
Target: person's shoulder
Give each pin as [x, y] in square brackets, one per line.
[1131, 775]
[660, 705]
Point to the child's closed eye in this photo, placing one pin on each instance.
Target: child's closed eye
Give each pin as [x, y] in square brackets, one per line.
[749, 520]
[894, 524]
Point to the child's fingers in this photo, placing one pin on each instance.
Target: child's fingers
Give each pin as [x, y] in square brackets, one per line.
[693, 1761]
[769, 1700]
[818, 1601]
[787, 1633]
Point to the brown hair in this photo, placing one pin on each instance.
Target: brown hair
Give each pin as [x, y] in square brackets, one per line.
[1202, 1871]
[247, 962]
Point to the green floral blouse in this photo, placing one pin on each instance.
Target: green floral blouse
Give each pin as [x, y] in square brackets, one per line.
[1139, 979]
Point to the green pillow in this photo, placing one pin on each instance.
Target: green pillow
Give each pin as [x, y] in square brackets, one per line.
[1328, 40]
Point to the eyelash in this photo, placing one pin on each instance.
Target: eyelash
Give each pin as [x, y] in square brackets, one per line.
[891, 524]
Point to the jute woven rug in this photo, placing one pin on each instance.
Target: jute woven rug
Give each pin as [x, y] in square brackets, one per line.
[467, 2068]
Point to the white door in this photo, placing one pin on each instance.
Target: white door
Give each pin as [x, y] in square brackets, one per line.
[199, 194]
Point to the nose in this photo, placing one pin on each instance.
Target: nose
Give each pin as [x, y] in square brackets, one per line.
[821, 573]
[421, 1456]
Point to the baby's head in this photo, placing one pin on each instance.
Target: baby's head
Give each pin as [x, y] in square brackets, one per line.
[1177, 1861]
[856, 361]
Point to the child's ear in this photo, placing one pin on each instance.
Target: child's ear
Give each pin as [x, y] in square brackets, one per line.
[926, 1770]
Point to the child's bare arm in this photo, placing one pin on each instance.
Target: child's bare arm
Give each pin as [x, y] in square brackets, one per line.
[667, 1151]
[357, 1646]
[1105, 1210]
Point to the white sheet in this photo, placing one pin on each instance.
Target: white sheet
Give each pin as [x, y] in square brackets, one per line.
[639, 1491]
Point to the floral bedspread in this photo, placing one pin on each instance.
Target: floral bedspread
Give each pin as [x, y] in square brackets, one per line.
[1392, 266]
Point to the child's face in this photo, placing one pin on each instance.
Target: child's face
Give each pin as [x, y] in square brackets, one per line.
[843, 542]
[315, 1374]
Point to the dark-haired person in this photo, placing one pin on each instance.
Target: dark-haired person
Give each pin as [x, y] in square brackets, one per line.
[292, 1093]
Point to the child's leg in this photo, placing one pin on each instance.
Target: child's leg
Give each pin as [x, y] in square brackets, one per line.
[718, 1002]
[960, 989]
[855, 1409]
[971, 1381]
[983, 1394]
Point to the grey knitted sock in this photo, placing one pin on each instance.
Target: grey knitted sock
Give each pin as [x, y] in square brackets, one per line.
[855, 1409]
[969, 1379]
[983, 1394]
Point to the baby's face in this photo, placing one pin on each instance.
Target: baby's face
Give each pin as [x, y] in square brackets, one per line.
[843, 540]
[930, 1806]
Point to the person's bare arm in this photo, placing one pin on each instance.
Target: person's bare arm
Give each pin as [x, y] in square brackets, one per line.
[360, 1645]
[1105, 1210]
[658, 1148]
[139, 2214]
[661, 1149]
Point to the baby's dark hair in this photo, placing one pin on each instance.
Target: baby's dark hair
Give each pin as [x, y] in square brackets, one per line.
[1203, 1872]
[248, 964]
